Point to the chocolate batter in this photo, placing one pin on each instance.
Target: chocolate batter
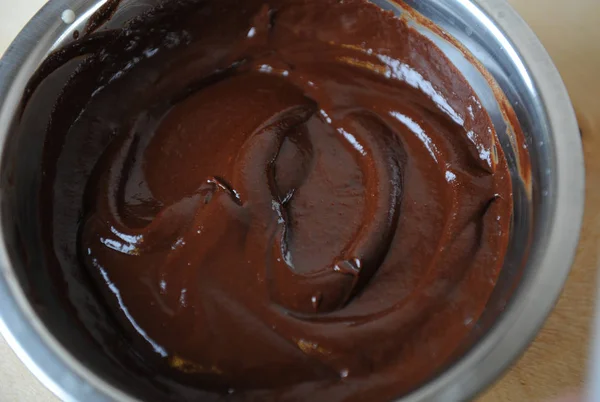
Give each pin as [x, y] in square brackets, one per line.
[278, 200]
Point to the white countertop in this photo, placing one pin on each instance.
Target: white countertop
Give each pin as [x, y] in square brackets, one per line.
[576, 51]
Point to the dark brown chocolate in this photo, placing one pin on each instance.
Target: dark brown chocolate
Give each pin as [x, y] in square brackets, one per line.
[284, 200]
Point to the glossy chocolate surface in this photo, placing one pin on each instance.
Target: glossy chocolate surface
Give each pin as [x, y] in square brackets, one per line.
[292, 200]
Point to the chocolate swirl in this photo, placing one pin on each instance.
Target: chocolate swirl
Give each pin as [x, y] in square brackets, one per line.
[282, 199]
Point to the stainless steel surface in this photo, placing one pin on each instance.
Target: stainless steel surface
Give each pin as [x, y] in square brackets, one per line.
[551, 213]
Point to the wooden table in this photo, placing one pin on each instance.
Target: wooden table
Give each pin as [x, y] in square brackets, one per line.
[556, 361]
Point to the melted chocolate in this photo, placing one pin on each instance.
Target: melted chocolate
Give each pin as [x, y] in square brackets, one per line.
[282, 200]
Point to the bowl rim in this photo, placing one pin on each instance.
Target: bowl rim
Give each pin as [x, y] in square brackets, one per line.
[71, 380]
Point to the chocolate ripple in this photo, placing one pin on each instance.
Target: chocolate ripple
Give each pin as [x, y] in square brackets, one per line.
[279, 200]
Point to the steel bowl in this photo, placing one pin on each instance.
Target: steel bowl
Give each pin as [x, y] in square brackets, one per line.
[513, 68]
